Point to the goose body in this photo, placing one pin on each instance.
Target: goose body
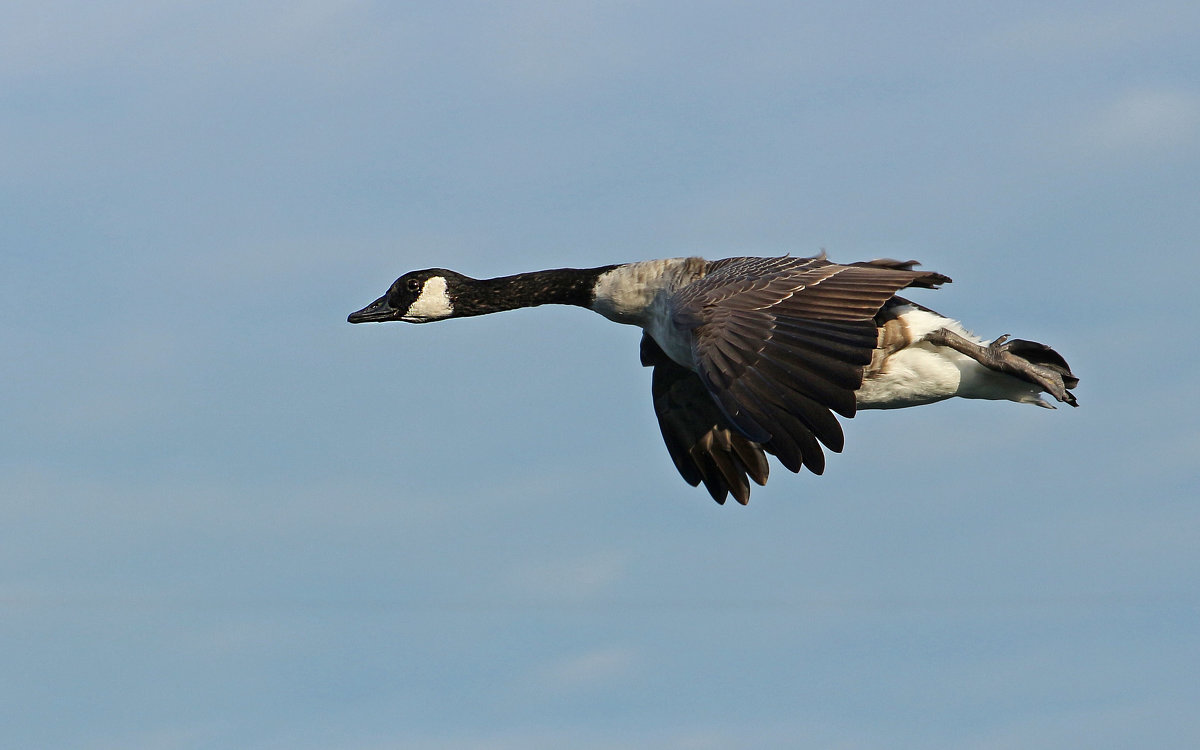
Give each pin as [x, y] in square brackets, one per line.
[756, 355]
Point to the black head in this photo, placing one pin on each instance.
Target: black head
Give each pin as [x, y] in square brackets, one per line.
[415, 297]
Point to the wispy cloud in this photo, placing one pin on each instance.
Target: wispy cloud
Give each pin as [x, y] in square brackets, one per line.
[1146, 121]
[1086, 33]
[60, 36]
[588, 669]
[572, 578]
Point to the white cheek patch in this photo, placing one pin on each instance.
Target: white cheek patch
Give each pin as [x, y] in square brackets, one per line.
[433, 304]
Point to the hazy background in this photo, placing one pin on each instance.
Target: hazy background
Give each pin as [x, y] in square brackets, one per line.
[231, 520]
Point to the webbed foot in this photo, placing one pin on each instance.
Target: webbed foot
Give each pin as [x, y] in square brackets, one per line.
[1028, 360]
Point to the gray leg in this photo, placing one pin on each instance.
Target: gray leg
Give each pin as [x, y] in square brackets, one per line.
[999, 356]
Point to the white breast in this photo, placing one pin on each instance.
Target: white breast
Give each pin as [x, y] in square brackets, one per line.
[627, 293]
[640, 294]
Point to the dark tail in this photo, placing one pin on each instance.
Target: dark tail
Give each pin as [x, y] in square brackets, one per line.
[1040, 354]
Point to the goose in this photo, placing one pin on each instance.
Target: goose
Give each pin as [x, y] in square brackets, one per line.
[756, 355]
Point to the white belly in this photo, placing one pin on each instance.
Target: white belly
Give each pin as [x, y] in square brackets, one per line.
[918, 374]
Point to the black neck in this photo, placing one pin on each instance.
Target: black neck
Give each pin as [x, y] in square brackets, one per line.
[559, 286]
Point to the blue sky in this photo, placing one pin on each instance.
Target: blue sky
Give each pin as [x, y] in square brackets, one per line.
[231, 520]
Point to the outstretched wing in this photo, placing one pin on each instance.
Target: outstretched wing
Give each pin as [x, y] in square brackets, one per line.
[703, 444]
[780, 345]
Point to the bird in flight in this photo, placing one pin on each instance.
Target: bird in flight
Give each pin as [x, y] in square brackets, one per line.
[752, 356]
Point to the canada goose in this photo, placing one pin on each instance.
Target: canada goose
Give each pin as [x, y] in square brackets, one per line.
[755, 355]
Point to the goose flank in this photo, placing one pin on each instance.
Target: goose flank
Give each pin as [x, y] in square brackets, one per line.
[756, 356]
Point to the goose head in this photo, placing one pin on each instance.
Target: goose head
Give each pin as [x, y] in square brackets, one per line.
[416, 297]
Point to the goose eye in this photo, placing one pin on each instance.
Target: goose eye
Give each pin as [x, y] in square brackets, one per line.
[414, 285]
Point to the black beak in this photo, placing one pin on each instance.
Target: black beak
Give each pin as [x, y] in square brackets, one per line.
[376, 312]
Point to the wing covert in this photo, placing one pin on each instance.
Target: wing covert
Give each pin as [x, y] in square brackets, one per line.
[781, 343]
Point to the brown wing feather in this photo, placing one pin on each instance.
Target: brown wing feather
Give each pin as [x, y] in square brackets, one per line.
[702, 443]
[779, 343]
